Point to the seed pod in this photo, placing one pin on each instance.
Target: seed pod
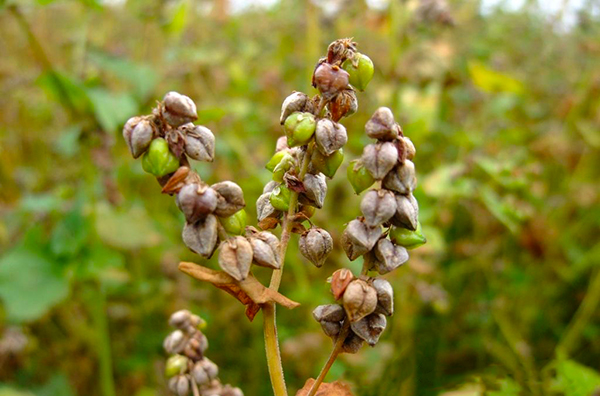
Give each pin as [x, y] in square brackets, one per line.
[385, 296]
[173, 384]
[329, 313]
[331, 329]
[138, 133]
[230, 198]
[228, 391]
[330, 136]
[264, 209]
[201, 237]
[370, 328]
[359, 177]
[407, 238]
[327, 165]
[178, 109]
[276, 159]
[381, 125]
[352, 343]
[389, 256]
[299, 128]
[316, 189]
[402, 178]
[378, 206]
[360, 68]
[340, 281]
[379, 159]
[266, 249]
[293, 103]
[407, 212]
[180, 319]
[196, 201]
[344, 105]
[175, 342]
[286, 163]
[330, 80]
[196, 346]
[200, 143]
[199, 374]
[280, 198]
[270, 186]
[235, 257]
[358, 238]
[236, 223]
[183, 385]
[211, 369]
[281, 144]
[359, 300]
[409, 148]
[315, 245]
[159, 160]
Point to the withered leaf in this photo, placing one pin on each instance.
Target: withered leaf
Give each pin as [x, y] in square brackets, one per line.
[336, 388]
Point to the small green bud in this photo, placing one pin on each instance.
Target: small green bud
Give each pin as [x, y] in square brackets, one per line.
[275, 160]
[159, 160]
[359, 177]
[299, 128]
[407, 238]
[175, 365]
[280, 198]
[361, 70]
[328, 165]
[236, 223]
[287, 161]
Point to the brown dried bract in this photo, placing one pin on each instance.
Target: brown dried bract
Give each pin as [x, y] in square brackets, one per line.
[336, 388]
[339, 281]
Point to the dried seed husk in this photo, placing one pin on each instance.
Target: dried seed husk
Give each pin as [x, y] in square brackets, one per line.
[316, 189]
[270, 186]
[389, 256]
[236, 223]
[199, 374]
[280, 198]
[196, 201]
[344, 105]
[407, 212]
[299, 128]
[409, 148]
[359, 177]
[361, 69]
[196, 346]
[329, 313]
[175, 365]
[402, 179]
[230, 198]
[266, 249]
[330, 136]
[340, 279]
[407, 238]
[352, 343]
[382, 125]
[178, 109]
[209, 367]
[378, 206]
[385, 296]
[172, 384]
[370, 328]
[200, 143]
[180, 319]
[281, 144]
[175, 342]
[315, 245]
[327, 165]
[293, 103]
[330, 80]
[201, 237]
[359, 300]
[138, 134]
[379, 158]
[235, 257]
[264, 209]
[358, 238]
[183, 385]
[331, 329]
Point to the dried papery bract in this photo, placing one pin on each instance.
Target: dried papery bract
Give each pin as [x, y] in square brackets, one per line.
[316, 244]
[235, 257]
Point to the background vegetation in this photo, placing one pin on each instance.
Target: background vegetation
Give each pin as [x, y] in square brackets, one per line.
[503, 108]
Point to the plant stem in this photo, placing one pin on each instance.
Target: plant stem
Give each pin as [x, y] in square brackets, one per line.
[97, 303]
[337, 348]
[269, 320]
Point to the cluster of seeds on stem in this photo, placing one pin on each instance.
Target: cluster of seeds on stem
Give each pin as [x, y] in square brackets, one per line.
[188, 370]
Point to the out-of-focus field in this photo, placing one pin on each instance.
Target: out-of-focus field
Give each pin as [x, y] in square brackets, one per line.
[503, 107]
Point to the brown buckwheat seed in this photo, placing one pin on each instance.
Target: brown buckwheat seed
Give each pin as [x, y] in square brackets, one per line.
[316, 189]
[352, 343]
[264, 208]
[201, 236]
[293, 103]
[138, 133]
[235, 257]
[330, 80]
[265, 247]
[358, 238]
[379, 158]
[196, 201]
[378, 206]
[200, 143]
[370, 328]
[330, 136]
[402, 178]
[230, 198]
[329, 313]
[178, 109]
[385, 296]
[382, 125]
[340, 280]
[360, 300]
[407, 212]
[315, 245]
[389, 256]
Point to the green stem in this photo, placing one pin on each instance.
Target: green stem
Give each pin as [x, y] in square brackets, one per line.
[269, 320]
[97, 304]
[337, 348]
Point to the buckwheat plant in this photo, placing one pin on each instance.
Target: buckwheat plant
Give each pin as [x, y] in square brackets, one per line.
[308, 155]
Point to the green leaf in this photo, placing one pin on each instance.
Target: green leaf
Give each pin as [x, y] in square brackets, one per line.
[574, 379]
[30, 284]
[126, 230]
[489, 80]
[67, 143]
[112, 109]
[69, 235]
[65, 89]
[507, 387]
[178, 18]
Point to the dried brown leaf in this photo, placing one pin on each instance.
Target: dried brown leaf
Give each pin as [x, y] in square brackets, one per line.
[336, 388]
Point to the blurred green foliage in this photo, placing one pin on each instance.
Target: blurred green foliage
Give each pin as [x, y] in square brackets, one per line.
[503, 110]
